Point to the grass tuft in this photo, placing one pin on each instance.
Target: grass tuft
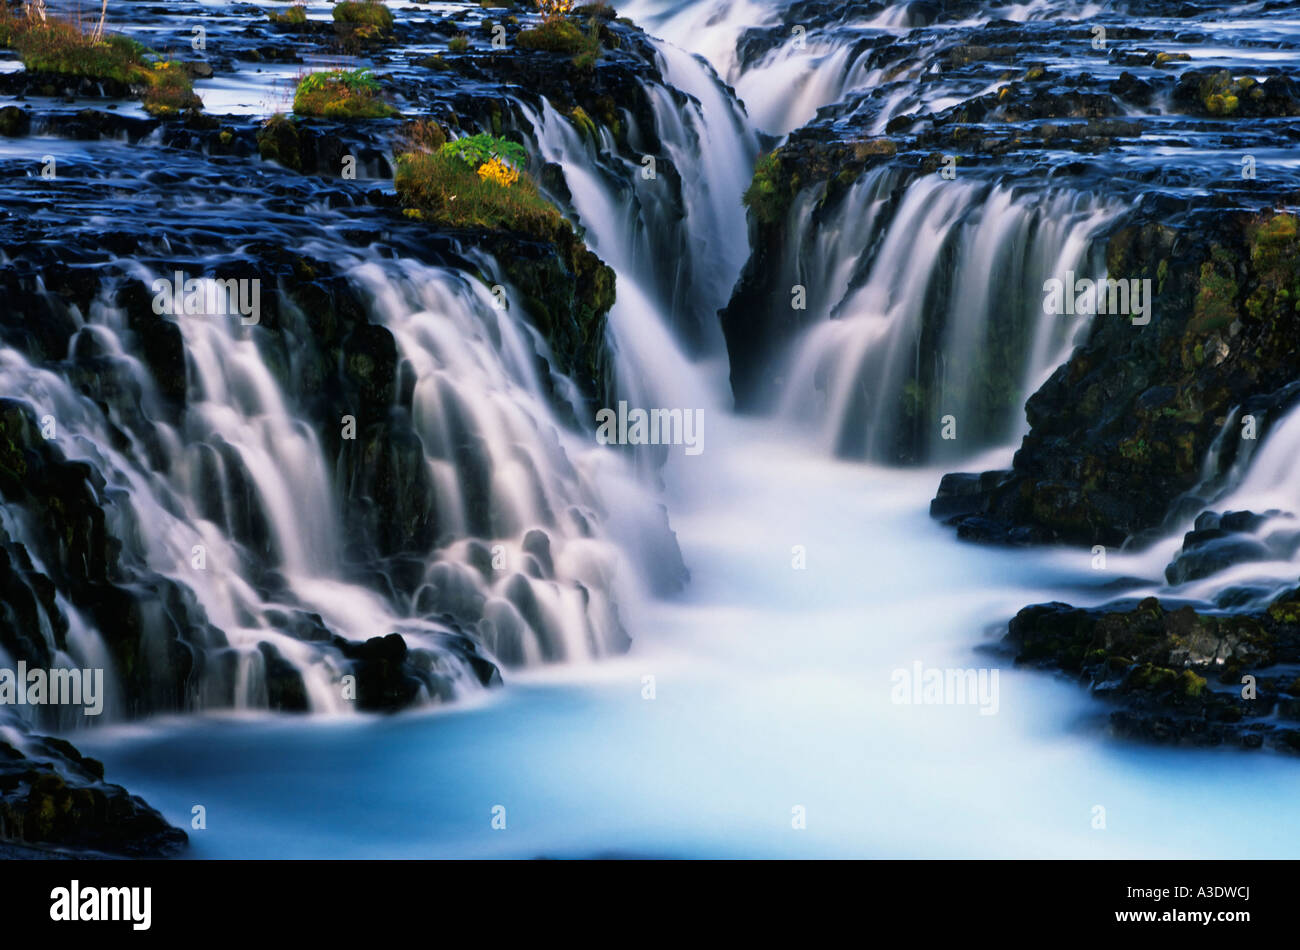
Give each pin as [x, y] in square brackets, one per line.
[361, 13]
[341, 94]
[295, 15]
[171, 91]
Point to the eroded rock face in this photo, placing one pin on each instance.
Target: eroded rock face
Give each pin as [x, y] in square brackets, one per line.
[1177, 675]
[51, 796]
[1121, 431]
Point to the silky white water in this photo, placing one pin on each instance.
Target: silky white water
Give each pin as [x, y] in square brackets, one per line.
[755, 713]
[772, 689]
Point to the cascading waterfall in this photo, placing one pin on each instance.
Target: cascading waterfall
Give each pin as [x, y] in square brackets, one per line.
[537, 545]
[797, 71]
[1253, 509]
[675, 262]
[524, 563]
[541, 533]
[955, 269]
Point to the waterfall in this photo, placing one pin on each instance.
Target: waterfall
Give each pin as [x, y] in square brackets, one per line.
[927, 305]
[790, 71]
[243, 508]
[675, 237]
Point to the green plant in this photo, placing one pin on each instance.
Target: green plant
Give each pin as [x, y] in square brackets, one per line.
[441, 187]
[371, 13]
[60, 46]
[474, 150]
[766, 197]
[458, 43]
[554, 36]
[295, 15]
[341, 94]
[171, 91]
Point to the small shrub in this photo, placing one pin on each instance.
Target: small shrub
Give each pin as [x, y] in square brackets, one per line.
[341, 94]
[554, 36]
[295, 15]
[474, 150]
[458, 43]
[171, 91]
[59, 46]
[371, 13]
[448, 191]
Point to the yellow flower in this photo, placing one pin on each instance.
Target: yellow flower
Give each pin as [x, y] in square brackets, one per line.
[499, 172]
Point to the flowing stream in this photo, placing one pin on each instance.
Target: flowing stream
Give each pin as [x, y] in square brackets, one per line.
[760, 695]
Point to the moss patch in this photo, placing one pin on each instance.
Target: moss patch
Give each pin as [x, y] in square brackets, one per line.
[341, 94]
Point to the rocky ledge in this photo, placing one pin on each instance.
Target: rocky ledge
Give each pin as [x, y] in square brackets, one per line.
[55, 800]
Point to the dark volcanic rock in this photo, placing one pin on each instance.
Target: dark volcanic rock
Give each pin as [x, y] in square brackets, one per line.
[1179, 675]
[51, 795]
[1121, 430]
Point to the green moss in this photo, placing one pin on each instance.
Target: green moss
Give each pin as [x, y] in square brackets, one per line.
[1221, 104]
[295, 15]
[277, 141]
[579, 117]
[1285, 612]
[458, 44]
[1216, 295]
[171, 91]
[553, 36]
[1219, 92]
[867, 148]
[371, 13]
[563, 36]
[766, 197]
[1190, 684]
[341, 94]
[1275, 258]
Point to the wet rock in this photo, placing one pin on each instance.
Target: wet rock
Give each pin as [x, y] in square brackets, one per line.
[14, 122]
[384, 684]
[1219, 541]
[54, 797]
[1121, 430]
[1178, 675]
[284, 686]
